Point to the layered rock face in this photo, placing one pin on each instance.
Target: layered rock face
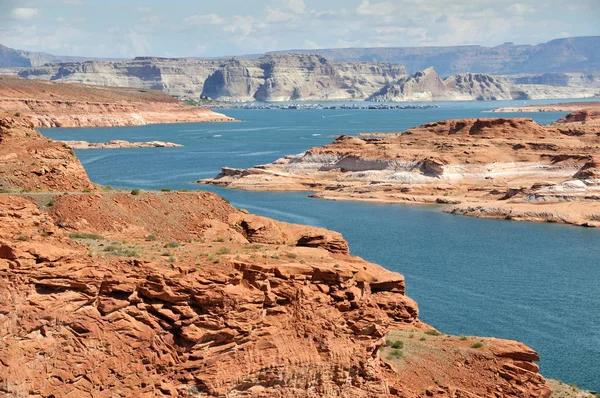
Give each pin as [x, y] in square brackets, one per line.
[297, 77]
[426, 85]
[183, 295]
[73, 105]
[508, 168]
[181, 77]
[270, 78]
[29, 161]
[574, 54]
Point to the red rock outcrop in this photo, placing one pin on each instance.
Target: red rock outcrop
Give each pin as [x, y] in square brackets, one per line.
[500, 168]
[180, 294]
[29, 161]
[51, 104]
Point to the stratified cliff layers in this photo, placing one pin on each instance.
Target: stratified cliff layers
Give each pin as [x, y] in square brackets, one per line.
[291, 77]
[501, 168]
[51, 104]
[182, 295]
[426, 85]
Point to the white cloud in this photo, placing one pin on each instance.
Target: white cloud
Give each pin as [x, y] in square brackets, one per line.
[206, 19]
[296, 6]
[74, 3]
[521, 9]
[375, 10]
[244, 25]
[23, 13]
[276, 15]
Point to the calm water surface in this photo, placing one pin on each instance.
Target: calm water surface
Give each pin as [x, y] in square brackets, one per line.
[536, 283]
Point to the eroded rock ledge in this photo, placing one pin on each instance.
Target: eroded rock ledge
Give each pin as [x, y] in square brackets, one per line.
[117, 144]
[498, 168]
[183, 295]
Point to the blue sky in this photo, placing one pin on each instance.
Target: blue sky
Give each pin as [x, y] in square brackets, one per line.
[182, 28]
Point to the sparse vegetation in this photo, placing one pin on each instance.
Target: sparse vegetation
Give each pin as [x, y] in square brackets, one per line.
[22, 238]
[165, 190]
[398, 344]
[433, 333]
[422, 338]
[253, 246]
[395, 354]
[223, 250]
[462, 338]
[291, 255]
[18, 114]
[479, 344]
[172, 244]
[275, 256]
[220, 240]
[51, 203]
[135, 191]
[79, 235]
[150, 238]
[117, 250]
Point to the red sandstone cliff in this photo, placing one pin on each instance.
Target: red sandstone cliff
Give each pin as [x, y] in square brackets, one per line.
[52, 104]
[180, 294]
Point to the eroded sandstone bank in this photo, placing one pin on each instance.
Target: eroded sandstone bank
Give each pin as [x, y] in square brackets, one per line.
[52, 104]
[498, 168]
[181, 294]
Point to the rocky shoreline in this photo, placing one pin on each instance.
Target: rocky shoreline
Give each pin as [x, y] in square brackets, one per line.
[179, 294]
[52, 104]
[116, 144]
[494, 168]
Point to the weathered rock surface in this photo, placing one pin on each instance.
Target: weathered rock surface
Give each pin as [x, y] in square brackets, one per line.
[52, 104]
[572, 54]
[297, 77]
[426, 85]
[181, 294]
[502, 168]
[29, 161]
[115, 144]
[271, 78]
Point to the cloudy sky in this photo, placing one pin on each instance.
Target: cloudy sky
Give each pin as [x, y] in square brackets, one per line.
[127, 28]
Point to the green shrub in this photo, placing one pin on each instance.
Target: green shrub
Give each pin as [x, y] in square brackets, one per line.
[291, 255]
[79, 235]
[22, 238]
[433, 333]
[275, 256]
[398, 344]
[18, 114]
[51, 203]
[172, 244]
[479, 344]
[395, 354]
[463, 338]
[135, 191]
[422, 338]
[253, 246]
[224, 250]
[220, 240]
[150, 238]
[165, 190]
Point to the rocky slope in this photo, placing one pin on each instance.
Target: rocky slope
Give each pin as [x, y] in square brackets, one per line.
[30, 162]
[574, 54]
[181, 294]
[18, 58]
[52, 104]
[501, 168]
[426, 85]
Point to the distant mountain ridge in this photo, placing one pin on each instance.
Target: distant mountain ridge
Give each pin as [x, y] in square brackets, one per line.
[11, 58]
[575, 54]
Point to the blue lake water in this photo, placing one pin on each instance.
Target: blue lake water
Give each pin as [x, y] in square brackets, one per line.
[536, 283]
